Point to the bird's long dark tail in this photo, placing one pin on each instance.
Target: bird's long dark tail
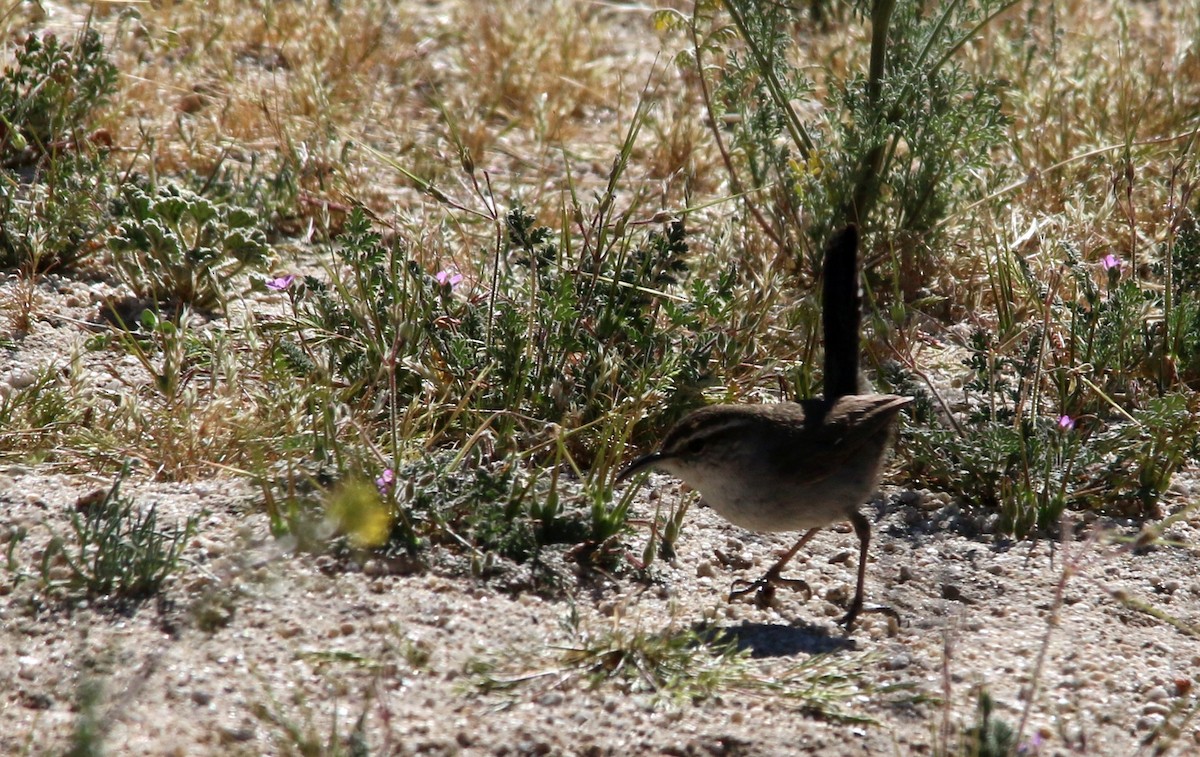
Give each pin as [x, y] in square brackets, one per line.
[842, 313]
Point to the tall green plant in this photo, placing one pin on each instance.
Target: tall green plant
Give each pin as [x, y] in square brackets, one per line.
[892, 147]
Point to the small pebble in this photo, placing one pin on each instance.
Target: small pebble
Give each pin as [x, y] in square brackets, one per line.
[21, 379]
[929, 504]
[27, 667]
[1157, 694]
[1148, 722]
[953, 593]
[374, 568]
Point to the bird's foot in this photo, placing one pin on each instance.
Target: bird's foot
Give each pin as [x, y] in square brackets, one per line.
[857, 609]
[764, 588]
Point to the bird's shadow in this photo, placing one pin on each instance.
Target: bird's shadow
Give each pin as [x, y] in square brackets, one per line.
[775, 640]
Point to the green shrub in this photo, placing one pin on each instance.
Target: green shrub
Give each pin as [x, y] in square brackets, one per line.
[555, 369]
[174, 246]
[54, 186]
[115, 551]
[893, 148]
[1060, 412]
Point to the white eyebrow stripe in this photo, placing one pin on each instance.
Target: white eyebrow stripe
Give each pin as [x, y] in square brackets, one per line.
[704, 431]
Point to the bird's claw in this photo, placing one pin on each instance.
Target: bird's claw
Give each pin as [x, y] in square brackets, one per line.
[855, 610]
[764, 589]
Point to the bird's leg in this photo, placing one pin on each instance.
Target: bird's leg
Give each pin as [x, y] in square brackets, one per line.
[862, 527]
[764, 587]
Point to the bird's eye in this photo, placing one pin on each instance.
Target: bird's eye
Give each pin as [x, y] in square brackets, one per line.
[694, 447]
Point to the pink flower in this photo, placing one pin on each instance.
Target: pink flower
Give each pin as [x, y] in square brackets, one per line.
[1032, 747]
[281, 283]
[1111, 262]
[1066, 422]
[448, 278]
[384, 481]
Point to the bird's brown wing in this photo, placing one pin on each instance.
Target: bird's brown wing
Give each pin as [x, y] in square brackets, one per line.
[836, 433]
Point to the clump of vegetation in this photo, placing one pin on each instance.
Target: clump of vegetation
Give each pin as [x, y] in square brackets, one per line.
[893, 147]
[556, 366]
[54, 185]
[1075, 410]
[675, 667]
[175, 246]
[561, 339]
[115, 552]
[49, 92]
[39, 416]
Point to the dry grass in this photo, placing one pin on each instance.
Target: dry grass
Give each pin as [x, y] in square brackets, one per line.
[1093, 87]
[300, 83]
[1103, 99]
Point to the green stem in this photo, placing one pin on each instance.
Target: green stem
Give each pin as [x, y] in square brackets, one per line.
[866, 188]
[796, 129]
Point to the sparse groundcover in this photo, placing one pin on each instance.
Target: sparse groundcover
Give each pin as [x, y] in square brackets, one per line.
[361, 306]
[54, 176]
[112, 553]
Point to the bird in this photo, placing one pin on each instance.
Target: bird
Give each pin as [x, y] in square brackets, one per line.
[788, 466]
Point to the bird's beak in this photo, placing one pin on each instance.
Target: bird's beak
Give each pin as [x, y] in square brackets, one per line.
[646, 461]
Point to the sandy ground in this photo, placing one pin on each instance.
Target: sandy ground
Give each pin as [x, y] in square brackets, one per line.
[254, 648]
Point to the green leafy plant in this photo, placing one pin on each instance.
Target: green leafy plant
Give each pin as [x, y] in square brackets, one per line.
[493, 508]
[594, 335]
[560, 341]
[273, 194]
[892, 147]
[49, 92]
[1050, 428]
[536, 382]
[175, 246]
[115, 551]
[54, 185]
